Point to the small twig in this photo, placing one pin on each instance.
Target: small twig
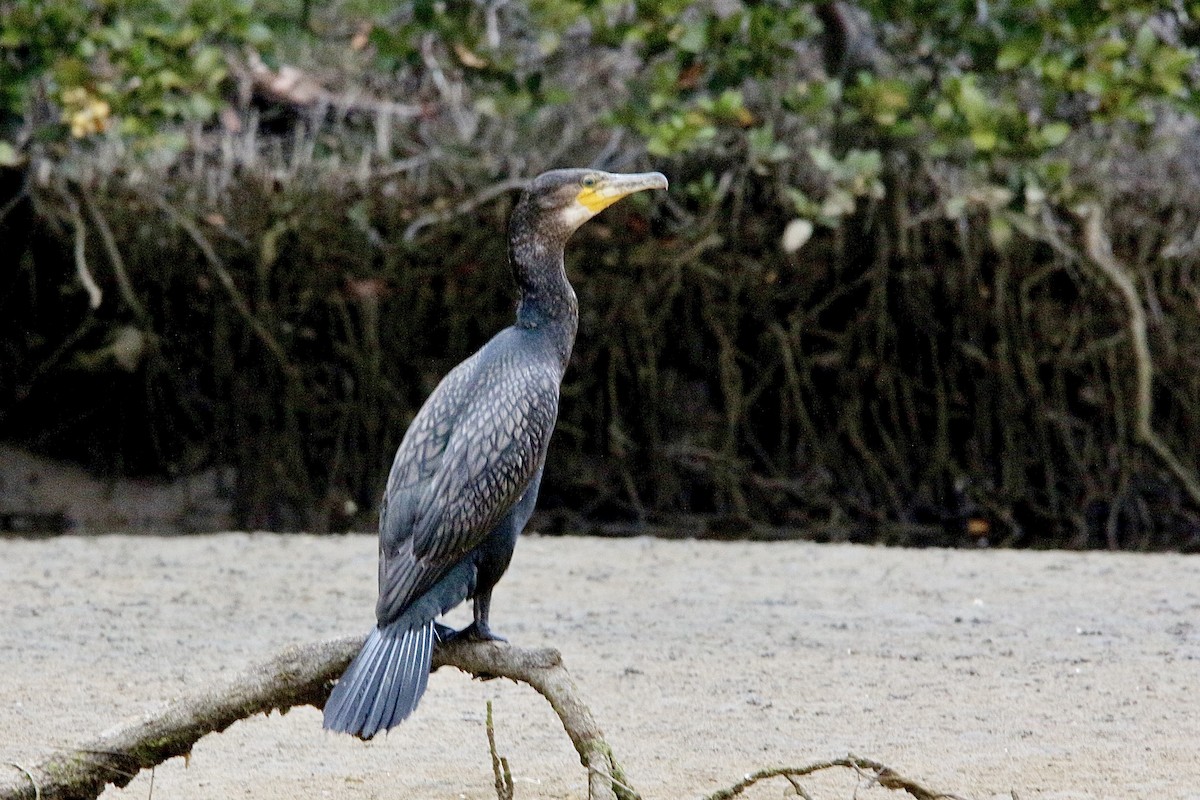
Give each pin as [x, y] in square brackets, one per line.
[500, 770]
[466, 120]
[407, 164]
[543, 670]
[466, 206]
[771, 772]
[799, 789]
[617, 783]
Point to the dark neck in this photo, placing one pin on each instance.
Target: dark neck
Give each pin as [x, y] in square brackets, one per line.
[548, 303]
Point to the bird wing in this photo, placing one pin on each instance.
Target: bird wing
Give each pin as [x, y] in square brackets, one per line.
[468, 458]
[488, 463]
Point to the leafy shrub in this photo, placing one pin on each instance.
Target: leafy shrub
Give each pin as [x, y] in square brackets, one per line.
[865, 302]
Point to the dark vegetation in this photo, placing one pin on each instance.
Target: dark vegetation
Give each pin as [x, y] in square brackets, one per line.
[927, 272]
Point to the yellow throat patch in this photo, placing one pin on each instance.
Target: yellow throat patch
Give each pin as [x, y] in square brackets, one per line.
[596, 198]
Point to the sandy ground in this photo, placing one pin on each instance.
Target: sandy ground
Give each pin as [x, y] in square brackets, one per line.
[987, 673]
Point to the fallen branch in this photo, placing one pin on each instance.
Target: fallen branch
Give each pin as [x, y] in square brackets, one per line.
[304, 675]
[300, 675]
[873, 771]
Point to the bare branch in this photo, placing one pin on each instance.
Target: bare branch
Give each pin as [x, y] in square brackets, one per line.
[288, 85]
[304, 675]
[470, 204]
[544, 671]
[114, 256]
[500, 770]
[299, 675]
[226, 280]
[878, 773]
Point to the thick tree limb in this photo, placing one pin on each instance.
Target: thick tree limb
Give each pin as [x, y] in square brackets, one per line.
[300, 675]
[544, 671]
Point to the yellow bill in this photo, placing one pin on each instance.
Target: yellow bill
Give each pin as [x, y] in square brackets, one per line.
[604, 188]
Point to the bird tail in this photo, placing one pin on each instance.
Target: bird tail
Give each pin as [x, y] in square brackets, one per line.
[384, 683]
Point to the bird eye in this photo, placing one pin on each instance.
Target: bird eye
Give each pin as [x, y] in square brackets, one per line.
[589, 181]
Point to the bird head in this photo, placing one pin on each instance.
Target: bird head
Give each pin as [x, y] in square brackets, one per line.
[567, 198]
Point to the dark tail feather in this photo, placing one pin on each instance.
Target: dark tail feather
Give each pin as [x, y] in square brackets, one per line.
[384, 683]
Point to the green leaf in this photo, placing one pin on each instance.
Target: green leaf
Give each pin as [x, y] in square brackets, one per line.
[1113, 48]
[1000, 231]
[838, 203]
[1054, 133]
[804, 205]
[268, 250]
[1145, 41]
[202, 107]
[9, 157]
[1018, 52]
[692, 38]
[822, 159]
[169, 79]
[984, 139]
[955, 207]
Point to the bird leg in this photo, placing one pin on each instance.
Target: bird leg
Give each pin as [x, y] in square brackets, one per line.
[477, 631]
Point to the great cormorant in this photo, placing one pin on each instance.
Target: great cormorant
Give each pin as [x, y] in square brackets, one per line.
[466, 476]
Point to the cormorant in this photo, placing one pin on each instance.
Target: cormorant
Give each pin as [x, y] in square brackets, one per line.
[466, 476]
